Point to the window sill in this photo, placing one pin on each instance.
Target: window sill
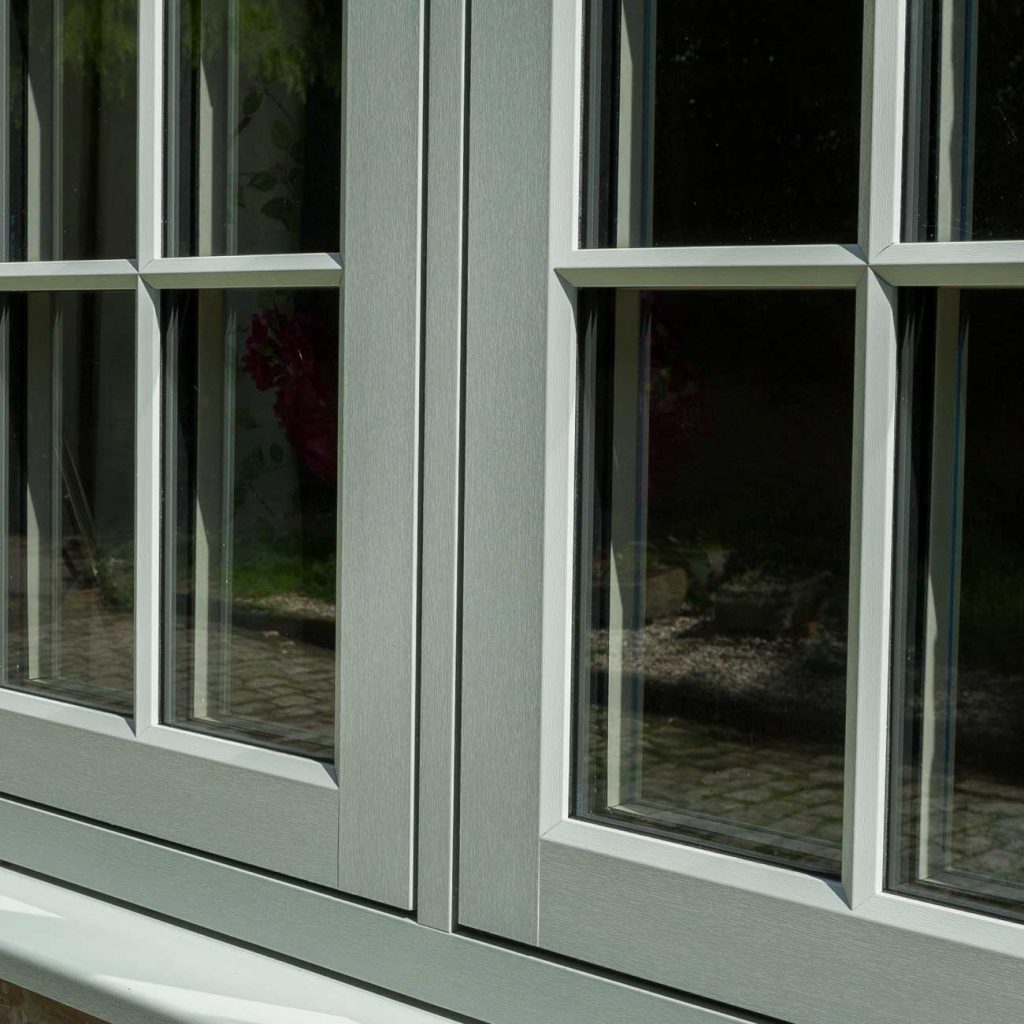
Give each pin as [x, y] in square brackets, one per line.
[120, 965]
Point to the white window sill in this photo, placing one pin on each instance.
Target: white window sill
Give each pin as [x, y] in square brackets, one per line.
[120, 965]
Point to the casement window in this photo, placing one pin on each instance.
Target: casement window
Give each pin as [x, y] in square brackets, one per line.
[516, 504]
[761, 716]
[178, 492]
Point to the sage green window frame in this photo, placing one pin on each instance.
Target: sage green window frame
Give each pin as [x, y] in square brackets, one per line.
[500, 268]
[762, 938]
[347, 826]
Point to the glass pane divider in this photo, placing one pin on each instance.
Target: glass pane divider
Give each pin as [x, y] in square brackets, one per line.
[963, 264]
[299, 270]
[867, 727]
[881, 171]
[754, 266]
[440, 566]
[148, 466]
[68, 275]
[150, 130]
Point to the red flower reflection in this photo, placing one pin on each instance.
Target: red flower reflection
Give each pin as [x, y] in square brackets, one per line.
[295, 355]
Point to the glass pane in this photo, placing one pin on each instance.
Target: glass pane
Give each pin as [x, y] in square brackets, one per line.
[722, 123]
[253, 126]
[714, 551]
[250, 514]
[70, 430]
[71, 126]
[965, 120]
[958, 779]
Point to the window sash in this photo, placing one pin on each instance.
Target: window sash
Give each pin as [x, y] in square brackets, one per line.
[693, 919]
[347, 827]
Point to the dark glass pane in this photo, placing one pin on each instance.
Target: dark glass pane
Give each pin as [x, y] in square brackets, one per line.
[715, 539]
[71, 119]
[253, 126]
[250, 514]
[965, 121]
[722, 123]
[958, 797]
[70, 410]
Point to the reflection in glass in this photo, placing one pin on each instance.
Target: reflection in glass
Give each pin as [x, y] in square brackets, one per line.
[71, 129]
[69, 412]
[714, 548]
[722, 123]
[965, 121]
[253, 126]
[957, 807]
[250, 515]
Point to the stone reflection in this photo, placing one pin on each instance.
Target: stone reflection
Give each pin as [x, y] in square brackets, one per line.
[719, 580]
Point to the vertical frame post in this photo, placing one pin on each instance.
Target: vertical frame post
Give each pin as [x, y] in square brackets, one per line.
[874, 434]
[147, 371]
[381, 429]
[882, 116]
[440, 552]
[872, 520]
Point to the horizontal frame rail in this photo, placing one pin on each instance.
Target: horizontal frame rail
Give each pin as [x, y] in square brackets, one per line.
[73, 275]
[298, 270]
[741, 266]
[457, 973]
[956, 264]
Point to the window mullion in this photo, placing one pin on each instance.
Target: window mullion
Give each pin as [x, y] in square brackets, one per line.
[150, 120]
[882, 125]
[874, 454]
[874, 436]
[442, 447]
[147, 370]
[147, 507]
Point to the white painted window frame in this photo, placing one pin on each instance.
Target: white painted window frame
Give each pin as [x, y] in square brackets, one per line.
[767, 939]
[346, 826]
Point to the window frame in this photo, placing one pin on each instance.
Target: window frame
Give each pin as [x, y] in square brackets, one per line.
[347, 826]
[491, 301]
[688, 918]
